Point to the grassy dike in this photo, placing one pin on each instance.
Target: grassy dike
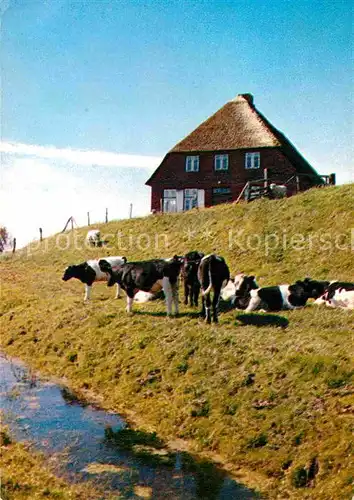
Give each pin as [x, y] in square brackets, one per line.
[271, 403]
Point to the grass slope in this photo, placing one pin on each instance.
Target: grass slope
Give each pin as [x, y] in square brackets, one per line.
[271, 403]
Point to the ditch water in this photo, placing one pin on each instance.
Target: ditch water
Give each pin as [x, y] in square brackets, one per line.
[84, 442]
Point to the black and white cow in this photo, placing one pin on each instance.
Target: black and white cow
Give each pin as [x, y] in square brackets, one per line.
[332, 289]
[88, 272]
[190, 277]
[344, 299]
[147, 276]
[250, 297]
[243, 285]
[93, 237]
[213, 274]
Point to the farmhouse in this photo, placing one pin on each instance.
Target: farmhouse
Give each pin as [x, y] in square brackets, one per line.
[235, 146]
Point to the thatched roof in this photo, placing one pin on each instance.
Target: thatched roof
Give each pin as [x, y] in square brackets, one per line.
[239, 125]
[236, 125]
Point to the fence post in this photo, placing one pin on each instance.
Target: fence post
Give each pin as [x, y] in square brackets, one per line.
[40, 234]
[297, 184]
[265, 178]
[14, 245]
[106, 215]
[130, 210]
[88, 218]
[72, 224]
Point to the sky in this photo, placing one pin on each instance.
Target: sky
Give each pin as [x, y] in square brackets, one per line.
[94, 93]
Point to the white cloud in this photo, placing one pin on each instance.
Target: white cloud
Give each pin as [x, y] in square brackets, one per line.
[40, 187]
[81, 157]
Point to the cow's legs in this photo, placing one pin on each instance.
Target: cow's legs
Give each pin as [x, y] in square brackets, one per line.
[207, 308]
[130, 300]
[203, 307]
[118, 294]
[254, 303]
[191, 290]
[167, 289]
[87, 292]
[175, 297]
[195, 295]
[216, 303]
[186, 293]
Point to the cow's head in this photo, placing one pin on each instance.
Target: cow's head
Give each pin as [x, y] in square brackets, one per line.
[299, 293]
[70, 272]
[191, 263]
[243, 286]
[314, 288]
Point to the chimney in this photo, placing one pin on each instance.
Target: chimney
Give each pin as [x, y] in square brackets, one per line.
[248, 97]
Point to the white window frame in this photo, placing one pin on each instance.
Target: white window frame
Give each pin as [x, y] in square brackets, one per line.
[190, 199]
[252, 160]
[192, 163]
[221, 162]
[169, 200]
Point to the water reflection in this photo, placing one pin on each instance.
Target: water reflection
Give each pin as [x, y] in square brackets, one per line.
[85, 442]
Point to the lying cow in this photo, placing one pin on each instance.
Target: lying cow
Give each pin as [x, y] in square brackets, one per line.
[190, 277]
[243, 285]
[342, 298]
[88, 272]
[250, 297]
[277, 191]
[93, 237]
[331, 289]
[213, 274]
[148, 276]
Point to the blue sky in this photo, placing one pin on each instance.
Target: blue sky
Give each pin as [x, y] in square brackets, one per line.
[134, 77]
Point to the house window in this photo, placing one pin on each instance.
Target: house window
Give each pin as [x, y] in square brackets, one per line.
[221, 162]
[222, 190]
[221, 195]
[190, 199]
[170, 200]
[192, 164]
[252, 160]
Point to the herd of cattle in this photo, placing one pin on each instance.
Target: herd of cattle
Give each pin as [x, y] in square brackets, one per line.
[208, 275]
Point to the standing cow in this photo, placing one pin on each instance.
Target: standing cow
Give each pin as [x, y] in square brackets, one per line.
[213, 275]
[190, 277]
[148, 276]
[88, 272]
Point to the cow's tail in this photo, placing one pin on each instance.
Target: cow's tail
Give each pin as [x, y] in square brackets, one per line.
[206, 278]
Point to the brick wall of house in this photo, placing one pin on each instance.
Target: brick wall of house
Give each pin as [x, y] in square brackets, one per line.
[172, 173]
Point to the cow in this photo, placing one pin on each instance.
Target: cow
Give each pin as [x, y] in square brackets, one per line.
[88, 272]
[147, 276]
[93, 237]
[190, 277]
[342, 298]
[249, 296]
[331, 289]
[277, 191]
[213, 274]
[243, 285]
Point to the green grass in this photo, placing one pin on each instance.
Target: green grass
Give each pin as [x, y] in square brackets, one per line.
[268, 401]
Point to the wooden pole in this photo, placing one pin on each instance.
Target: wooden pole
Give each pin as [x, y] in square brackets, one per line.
[14, 245]
[106, 215]
[88, 218]
[72, 224]
[243, 190]
[265, 178]
[130, 210]
[297, 184]
[40, 234]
